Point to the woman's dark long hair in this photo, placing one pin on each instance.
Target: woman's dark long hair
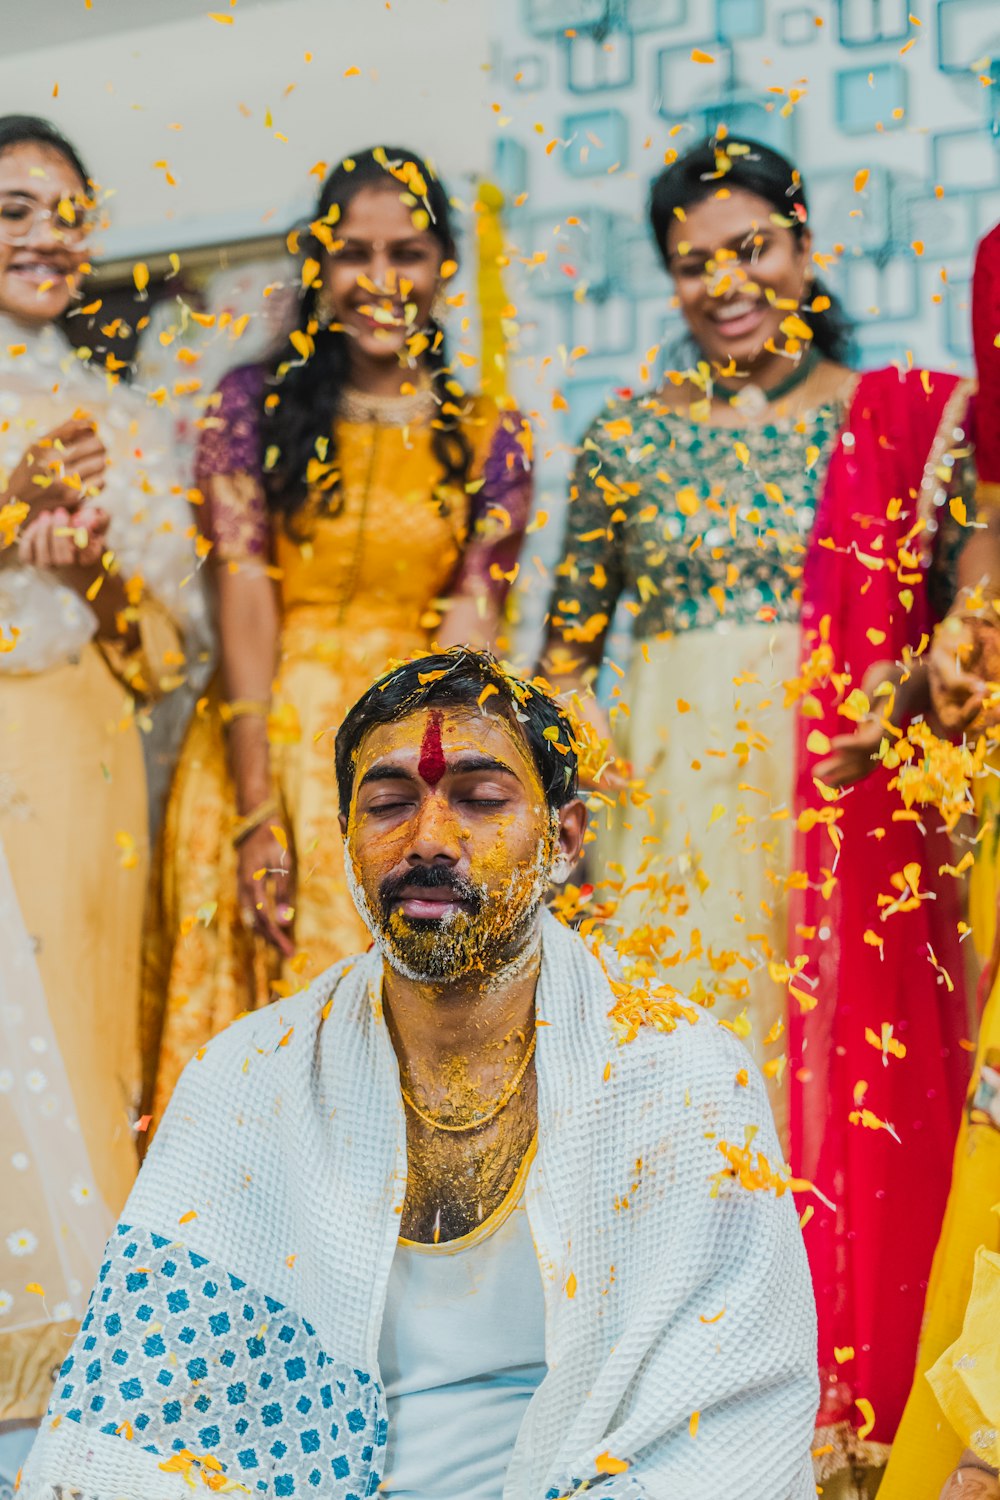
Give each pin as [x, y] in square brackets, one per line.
[309, 390]
[757, 169]
[32, 130]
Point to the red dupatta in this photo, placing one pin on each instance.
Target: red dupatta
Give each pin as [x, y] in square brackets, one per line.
[871, 1253]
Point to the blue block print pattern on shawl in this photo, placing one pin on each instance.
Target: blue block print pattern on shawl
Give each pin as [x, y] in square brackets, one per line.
[185, 1356]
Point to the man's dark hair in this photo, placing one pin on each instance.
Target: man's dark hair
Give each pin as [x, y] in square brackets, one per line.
[461, 678]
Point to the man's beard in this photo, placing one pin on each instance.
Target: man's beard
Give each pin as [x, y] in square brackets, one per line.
[482, 936]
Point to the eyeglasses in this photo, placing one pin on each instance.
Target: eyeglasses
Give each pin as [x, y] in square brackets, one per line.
[71, 219]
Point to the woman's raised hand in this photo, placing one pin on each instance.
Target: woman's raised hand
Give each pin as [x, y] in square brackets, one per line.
[57, 539]
[266, 884]
[961, 649]
[852, 757]
[60, 471]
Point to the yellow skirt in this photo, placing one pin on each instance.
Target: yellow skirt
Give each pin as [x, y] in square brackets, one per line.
[201, 969]
[704, 849]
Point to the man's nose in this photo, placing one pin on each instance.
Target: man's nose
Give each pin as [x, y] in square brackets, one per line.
[436, 836]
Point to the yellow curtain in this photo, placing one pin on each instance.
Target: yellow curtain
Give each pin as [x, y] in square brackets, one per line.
[494, 311]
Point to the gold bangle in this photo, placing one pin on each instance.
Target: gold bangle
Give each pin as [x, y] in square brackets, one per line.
[251, 821]
[243, 708]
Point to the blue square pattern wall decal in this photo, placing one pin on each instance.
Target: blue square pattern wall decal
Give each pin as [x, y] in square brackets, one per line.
[510, 167]
[751, 115]
[579, 253]
[550, 17]
[598, 140]
[968, 31]
[945, 226]
[862, 22]
[964, 159]
[605, 326]
[585, 398]
[529, 73]
[595, 61]
[985, 213]
[656, 15]
[869, 97]
[864, 221]
[882, 292]
[682, 87]
[736, 20]
[638, 265]
[797, 28]
[874, 352]
[957, 317]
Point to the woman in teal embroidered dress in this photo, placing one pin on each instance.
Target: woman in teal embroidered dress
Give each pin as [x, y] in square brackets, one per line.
[705, 843]
[780, 530]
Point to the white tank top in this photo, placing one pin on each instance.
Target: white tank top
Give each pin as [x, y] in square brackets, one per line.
[461, 1353]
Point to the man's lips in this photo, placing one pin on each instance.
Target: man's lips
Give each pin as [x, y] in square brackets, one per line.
[430, 902]
[429, 905]
[434, 895]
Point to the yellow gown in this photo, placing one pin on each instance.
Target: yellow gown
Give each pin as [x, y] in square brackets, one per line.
[358, 592]
[966, 1379]
[73, 867]
[927, 1446]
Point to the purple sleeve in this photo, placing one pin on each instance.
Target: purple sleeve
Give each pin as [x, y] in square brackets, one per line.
[228, 468]
[500, 511]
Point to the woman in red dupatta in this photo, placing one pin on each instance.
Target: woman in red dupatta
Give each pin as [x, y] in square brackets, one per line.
[927, 1447]
[872, 1126]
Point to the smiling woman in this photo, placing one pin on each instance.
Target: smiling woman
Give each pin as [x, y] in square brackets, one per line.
[740, 251]
[97, 566]
[783, 532]
[360, 504]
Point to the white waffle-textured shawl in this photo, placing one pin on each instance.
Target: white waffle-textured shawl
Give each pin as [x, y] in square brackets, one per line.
[274, 1190]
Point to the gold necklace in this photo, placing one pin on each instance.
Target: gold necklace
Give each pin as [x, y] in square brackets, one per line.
[359, 537]
[399, 410]
[480, 1120]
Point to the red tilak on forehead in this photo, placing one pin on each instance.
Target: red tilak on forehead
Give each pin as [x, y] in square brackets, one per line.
[431, 765]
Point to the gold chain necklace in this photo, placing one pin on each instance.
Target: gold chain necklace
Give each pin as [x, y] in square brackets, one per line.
[480, 1120]
[387, 411]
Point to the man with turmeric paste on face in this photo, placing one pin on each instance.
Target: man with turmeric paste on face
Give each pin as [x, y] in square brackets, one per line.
[469, 1218]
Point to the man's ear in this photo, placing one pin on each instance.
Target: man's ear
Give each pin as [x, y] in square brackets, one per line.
[572, 828]
[342, 820]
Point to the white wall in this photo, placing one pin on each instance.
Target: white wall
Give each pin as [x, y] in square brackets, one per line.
[120, 91]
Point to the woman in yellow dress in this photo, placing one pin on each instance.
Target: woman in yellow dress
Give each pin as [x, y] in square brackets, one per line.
[96, 562]
[966, 1383]
[360, 504]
